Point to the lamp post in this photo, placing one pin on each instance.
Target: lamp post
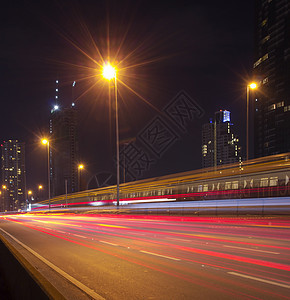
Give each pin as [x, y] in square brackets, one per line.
[109, 72]
[46, 142]
[29, 193]
[4, 187]
[40, 187]
[250, 86]
[80, 167]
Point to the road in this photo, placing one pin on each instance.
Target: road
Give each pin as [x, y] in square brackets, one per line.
[158, 257]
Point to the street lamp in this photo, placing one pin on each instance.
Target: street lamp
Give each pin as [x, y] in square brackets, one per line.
[109, 72]
[40, 187]
[250, 86]
[80, 167]
[46, 142]
[4, 187]
[29, 193]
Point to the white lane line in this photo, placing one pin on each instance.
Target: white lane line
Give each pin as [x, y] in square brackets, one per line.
[251, 249]
[74, 281]
[108, 243]
[84, 237]
[260, 279]
[173, 258]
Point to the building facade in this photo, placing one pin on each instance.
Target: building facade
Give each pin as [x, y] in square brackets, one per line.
[13, 194]
[219, 144]
[271, 70]
[64, 151]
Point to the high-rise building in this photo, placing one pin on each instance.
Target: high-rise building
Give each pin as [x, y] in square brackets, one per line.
[219, 144]
[272, 71]
[64, 150]
[13, 196]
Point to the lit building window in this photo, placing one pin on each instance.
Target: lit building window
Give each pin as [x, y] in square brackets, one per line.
[264, 182]
[264, 22]
[272, 107]
[273, 181]
[280, 104]
[228, 185]
[265, 39]
[265, 80]
[261, 59]
[235, 185]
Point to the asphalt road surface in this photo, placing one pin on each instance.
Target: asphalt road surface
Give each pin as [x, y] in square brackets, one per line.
[157, 257]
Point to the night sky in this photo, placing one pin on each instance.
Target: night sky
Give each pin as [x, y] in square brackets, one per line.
[162, 47]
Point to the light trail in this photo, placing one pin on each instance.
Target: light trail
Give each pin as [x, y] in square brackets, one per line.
[118, 231]
[200, 251]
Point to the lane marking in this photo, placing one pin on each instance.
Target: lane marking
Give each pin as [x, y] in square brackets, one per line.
[74, 281]
[169, 257]
[108, 243]
[251, 249]
[260, 279]
[84, 237]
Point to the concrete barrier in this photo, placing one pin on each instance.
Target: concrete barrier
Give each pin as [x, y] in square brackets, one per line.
[21, 280]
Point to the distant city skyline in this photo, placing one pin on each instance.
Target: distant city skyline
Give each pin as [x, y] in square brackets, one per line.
[13, 189]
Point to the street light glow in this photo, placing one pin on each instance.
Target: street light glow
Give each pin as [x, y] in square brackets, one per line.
[253, 85]
[109, 72]
[44, 141]
[29, 192]
[81, 166]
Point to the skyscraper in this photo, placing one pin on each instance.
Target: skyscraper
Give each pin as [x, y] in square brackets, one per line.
[219, 144]
[13, 176]
[272, 71]
[63, 150]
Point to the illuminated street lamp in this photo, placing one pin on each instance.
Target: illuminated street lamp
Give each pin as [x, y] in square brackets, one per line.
[40, 188]
[46, 142]
[109, 72]
[250, 86]
[29, 193]
[80, 167]
[4, 188]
